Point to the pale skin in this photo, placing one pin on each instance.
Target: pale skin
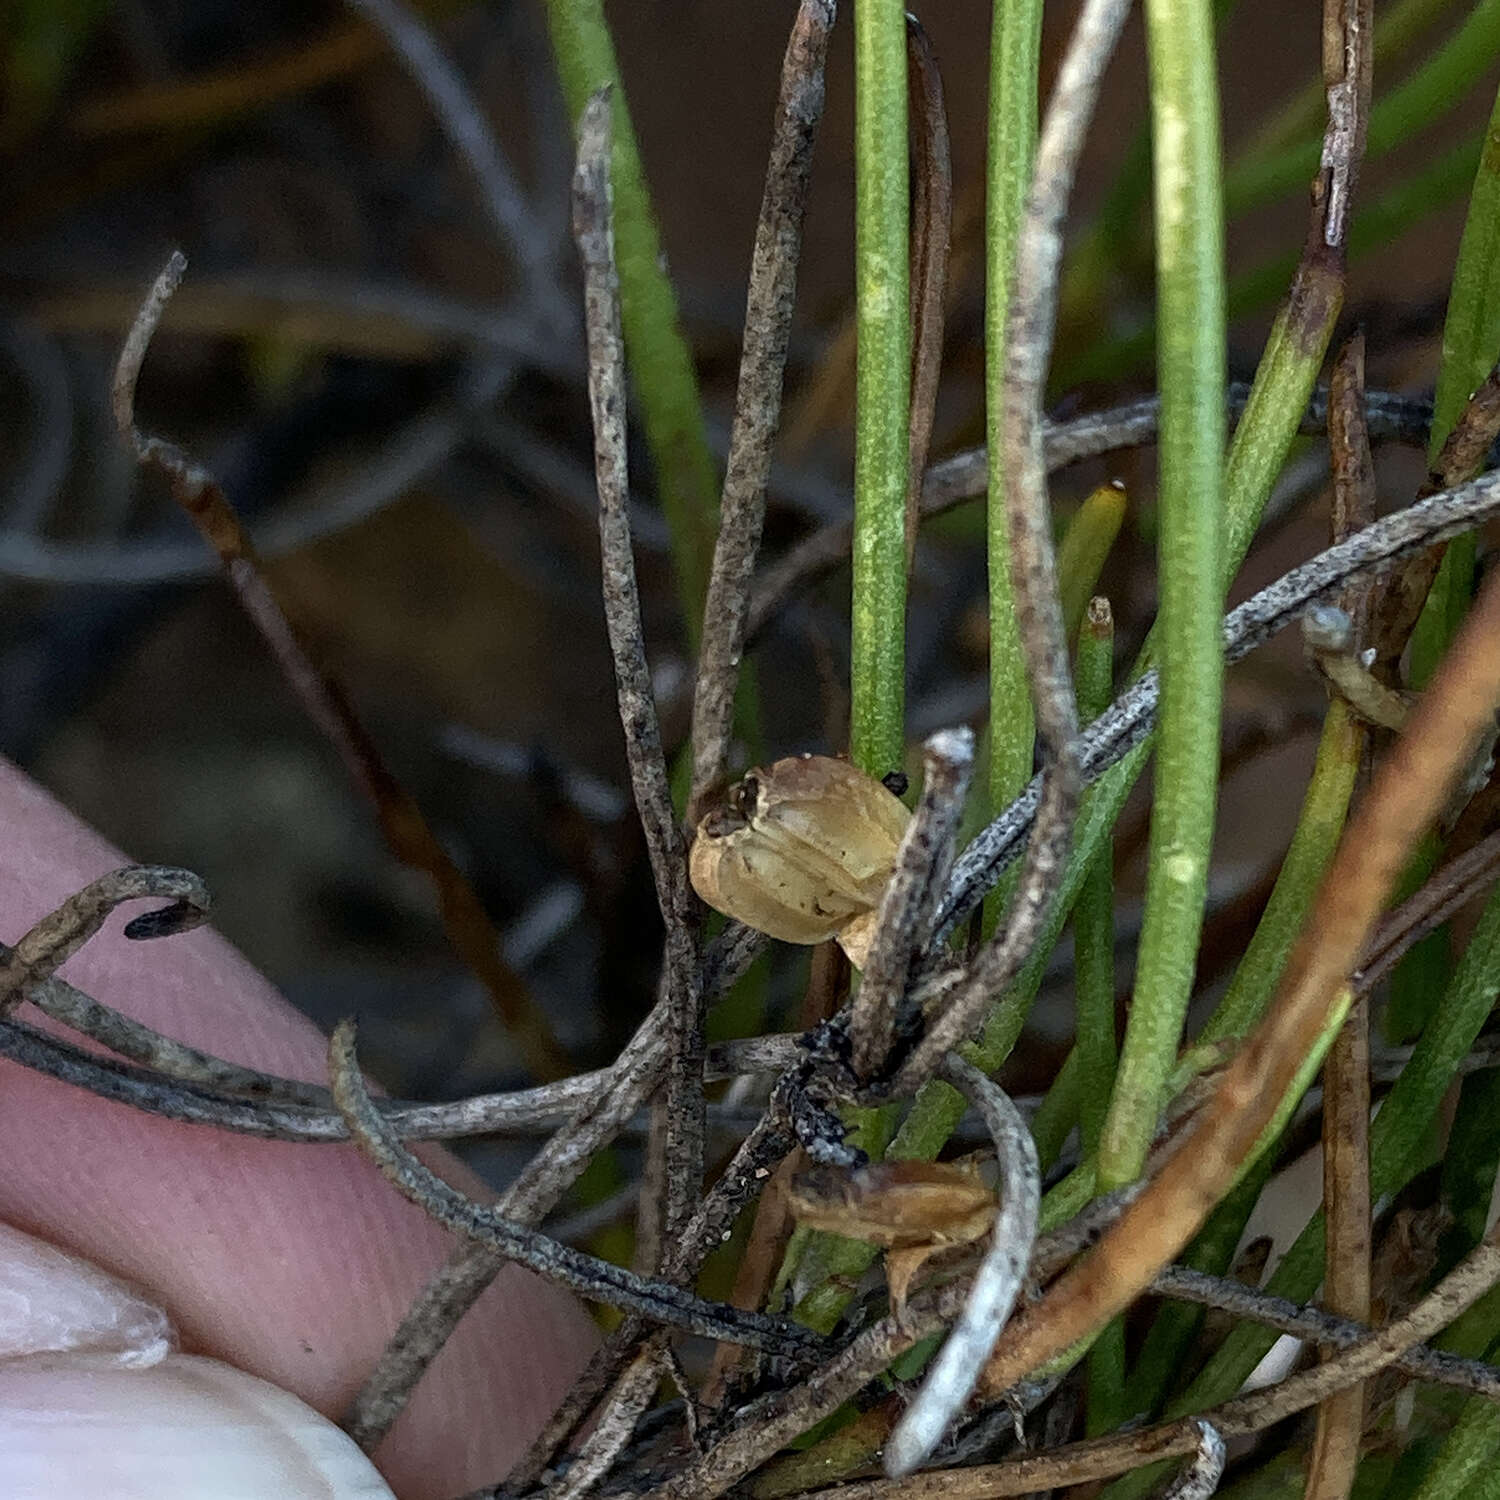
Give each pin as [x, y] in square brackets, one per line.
[294, 1262]
[913, 1210]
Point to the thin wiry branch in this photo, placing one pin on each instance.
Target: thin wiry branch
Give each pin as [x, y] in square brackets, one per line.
[1033, 566]
[634, 1077]
[1450, 888]
[634, 1391]
[1346, 1072]
[768, 1424]
[275, 1109]
[49, 943]
[1129, 720]
[682, 1142]
[743, 1178]
[757, 409]
[955, 481]
[1462, 457]
[931, 229]
[176, 1060]
[1317, 1326]
[922, 863]
[323, 699]
[996, 1285]
[599, 1280]
[1103, 1458]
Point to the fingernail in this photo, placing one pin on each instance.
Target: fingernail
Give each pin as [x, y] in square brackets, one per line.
[92, 1402]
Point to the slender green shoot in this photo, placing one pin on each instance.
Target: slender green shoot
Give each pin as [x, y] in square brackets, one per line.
[1094, 983]
[1093, 917]
[882, 388]
[1324, 809]
[1190, 363]
[661, 363]
[1471, 344]
[1015, 51]
[1082, 552]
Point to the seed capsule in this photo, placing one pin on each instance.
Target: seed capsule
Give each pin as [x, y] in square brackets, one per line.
[801, 850]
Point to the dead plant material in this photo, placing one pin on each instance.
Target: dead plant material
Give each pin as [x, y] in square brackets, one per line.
[1346, 1072]
[1406, 796]
[407, 834]
[757, 409]
[49, 943]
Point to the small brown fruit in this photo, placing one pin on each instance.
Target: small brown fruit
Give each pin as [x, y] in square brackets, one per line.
[801, 850]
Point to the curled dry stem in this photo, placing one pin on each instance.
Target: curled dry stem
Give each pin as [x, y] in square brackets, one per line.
[954, 1373]
[49, 943]
[1407, 794]
[324, 700]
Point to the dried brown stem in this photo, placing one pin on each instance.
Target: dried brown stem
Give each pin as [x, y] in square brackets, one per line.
[757, 411]
[931, 230]
[323, 699]
[633, 1392]
[633, 1078]
[1319, 1327]
[1346, 1072]
[922, 864]
[1103, 1458]
[682, 1138]
[744, 1177]
[1449, 889]
[1407, 794]
[1461, 457]
[49, 943]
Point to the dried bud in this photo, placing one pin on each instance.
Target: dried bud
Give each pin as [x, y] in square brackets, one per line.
[801, 850]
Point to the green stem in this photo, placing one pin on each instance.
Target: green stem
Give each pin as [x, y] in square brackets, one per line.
[660, 362]
[1094, 982]
[1324, 808]
[1015, 46]
[1093, 917]
[1191, 340]
[882, 388]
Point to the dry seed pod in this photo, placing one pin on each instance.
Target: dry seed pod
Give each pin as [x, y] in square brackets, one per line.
[802, 850]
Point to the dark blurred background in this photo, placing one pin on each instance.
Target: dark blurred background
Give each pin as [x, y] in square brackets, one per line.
[353, 354]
